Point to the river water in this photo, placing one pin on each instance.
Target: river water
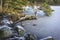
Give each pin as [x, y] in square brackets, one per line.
[45, 26]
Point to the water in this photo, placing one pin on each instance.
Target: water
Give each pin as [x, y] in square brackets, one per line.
[45, 26]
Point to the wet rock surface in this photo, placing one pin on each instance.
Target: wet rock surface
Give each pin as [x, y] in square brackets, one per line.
[10, 32]
[29, 36]
[48, 38]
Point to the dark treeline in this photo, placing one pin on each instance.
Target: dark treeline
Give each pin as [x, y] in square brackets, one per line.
[51, 2]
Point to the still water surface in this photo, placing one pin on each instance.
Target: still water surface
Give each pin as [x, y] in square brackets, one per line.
[45, 26]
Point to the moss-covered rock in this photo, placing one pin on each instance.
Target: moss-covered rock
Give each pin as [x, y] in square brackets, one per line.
[5, 31]
[29, 36]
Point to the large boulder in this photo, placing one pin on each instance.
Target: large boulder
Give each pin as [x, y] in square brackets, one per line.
[20, 30]
[5, 31]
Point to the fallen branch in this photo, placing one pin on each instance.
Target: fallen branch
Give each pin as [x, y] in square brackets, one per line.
[27, 17]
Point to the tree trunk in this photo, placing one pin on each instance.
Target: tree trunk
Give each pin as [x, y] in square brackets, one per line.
[1, 7]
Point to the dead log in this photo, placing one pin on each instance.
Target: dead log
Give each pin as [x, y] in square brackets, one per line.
[27, 17]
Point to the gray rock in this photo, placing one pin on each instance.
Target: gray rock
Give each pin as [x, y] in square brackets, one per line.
[17, 38]
[22, 38]
[29, 36]
[6, 21]
[48, 38]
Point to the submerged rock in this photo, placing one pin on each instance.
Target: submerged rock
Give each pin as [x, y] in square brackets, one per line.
[29, 36]
[48, 38]
[5, 31]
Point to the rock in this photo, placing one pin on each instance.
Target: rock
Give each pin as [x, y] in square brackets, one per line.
[6, 21]
[17, 38]
[22, 38]
[29, 36]
[11, 39]
[48, 38]
[5, 31]
[20, 30]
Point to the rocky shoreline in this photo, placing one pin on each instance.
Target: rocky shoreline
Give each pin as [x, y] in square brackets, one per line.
[13, 32]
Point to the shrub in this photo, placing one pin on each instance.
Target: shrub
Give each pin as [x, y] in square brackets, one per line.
[47, 9]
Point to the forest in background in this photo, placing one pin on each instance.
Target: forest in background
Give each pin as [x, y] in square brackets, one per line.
[14, 7]
[51, 2]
